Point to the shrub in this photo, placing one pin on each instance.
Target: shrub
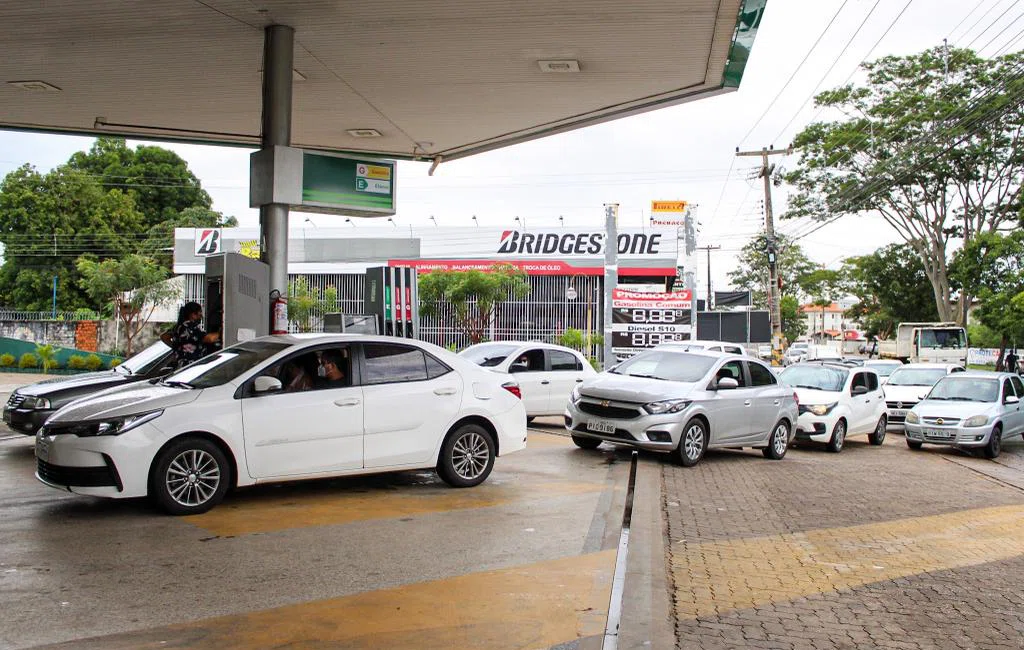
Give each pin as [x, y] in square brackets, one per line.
[28, 360]
[48, 355]
[77, 362]
[7, 360]
[115, 363]
[93, 362]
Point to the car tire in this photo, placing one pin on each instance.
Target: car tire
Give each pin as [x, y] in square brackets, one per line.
[877, 436]
[692, 444]
[530, 418]
[778, 442]
[915, 444]
[995, 443]
[467, 456]
[584, 442]
[189, 476]
[838, 439]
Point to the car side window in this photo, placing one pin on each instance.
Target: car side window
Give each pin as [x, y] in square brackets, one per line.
[1007, 389]
[860, 379]
[760, 376]
[872, 382]
[957, 369]
[389, 363]
[529, 361]
[1018, 385]
[435, 368]
[734, 370]
[564, 361]
[733, 350]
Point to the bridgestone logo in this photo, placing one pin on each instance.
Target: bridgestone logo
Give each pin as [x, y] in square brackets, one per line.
[514, 242]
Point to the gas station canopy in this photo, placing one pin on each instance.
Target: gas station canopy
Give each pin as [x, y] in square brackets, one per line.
[402, 78]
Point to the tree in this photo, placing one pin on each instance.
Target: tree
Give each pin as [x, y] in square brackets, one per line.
[158, 179]
[937, 155]
[891, 287]
[991, 267]
[751, 272]
[159, 241]
[794, 325]
[304, 304]
[134, 284]
[472, 296]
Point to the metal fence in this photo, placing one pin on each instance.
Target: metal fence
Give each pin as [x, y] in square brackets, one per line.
[73, 316]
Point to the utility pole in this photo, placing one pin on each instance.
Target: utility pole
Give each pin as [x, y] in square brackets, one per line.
[769, 226]
[707, 305]
[611, 275]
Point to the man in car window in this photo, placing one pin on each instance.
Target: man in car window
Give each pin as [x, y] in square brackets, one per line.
[331, 373]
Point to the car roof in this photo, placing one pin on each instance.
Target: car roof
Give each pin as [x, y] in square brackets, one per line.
[945, 366]
[983, 374]
[890, 362]
[524, 344]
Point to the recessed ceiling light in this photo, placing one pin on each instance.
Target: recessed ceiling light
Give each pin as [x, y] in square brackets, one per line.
[34, 84]
[559, 65]
[363, 133]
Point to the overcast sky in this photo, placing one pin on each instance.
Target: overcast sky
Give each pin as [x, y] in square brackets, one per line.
[680, 153]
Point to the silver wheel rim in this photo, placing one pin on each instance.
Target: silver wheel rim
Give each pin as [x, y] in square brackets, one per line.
[840, 435]
[880, 430]
[996, 440]
[693, 442]
[779, 440]
[192, 478]
[470, 455]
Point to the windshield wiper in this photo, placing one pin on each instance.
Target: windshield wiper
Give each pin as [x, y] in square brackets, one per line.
[177, 384]
[645, 376]
[811, 387]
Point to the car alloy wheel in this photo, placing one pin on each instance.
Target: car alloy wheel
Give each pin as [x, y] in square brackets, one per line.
[877, 437]
[470, 456]
[693, 442]
[778, 442]
[835, 445]
[995, 443]
[192, 478]
[189, 476]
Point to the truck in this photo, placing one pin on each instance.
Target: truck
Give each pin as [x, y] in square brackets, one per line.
[926, 342]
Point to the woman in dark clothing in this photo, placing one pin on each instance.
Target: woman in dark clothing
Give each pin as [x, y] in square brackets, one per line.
[188, 339]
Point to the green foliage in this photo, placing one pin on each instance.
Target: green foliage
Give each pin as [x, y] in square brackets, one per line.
[159, 241]
[794, 325]
[991, 267]
[588, 344]
[980, 336]
[907, 152]
[77, 361]
[28, 360]
[891, 287]
[115, 362]
[7, 360]
[472, 296]
[304, 303]
[48, 356]
[751, 272]
[135, 284]
[93, 362]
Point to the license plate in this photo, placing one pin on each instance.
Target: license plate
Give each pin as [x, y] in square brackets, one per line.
[600, 426]
[898, 413]
[42, 448]
[937, 433]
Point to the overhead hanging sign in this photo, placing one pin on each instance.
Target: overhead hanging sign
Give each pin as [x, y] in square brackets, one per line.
[668, 213]
[311, 181]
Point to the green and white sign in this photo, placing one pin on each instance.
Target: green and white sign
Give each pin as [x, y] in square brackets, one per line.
[311, 181]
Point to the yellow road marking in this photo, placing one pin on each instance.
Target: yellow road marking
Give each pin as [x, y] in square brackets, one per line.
[531, 606]
[715, 577]
[273, 513]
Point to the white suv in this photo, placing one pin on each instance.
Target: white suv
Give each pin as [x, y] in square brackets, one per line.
[837, 401]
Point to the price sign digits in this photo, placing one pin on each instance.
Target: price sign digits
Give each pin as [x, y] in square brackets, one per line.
[651, 339]
[667, 316]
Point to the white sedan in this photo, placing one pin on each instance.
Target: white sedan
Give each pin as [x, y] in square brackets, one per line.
[546, 373]
[282, 408]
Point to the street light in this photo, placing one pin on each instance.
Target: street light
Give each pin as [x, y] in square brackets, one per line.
[392, 222]
[475, 221]
[561, 221]
[348, 221]
[521, 222]
[433, 219]
[310, 222]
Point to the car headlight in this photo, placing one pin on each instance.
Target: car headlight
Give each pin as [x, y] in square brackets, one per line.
[913, 417]
[575, 396]
[976, 421]
[35, 403]
[821, 409]
[667, 406]
[117, 426]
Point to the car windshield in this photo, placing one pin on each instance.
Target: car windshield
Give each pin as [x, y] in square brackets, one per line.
[489, 354]
[916, 376]
[144, 361]
[965, 389]
[944, 338]
[815, 377]
[883, 369]
[667, 365]
[222, 367]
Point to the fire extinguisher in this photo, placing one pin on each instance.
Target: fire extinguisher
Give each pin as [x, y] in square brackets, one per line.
[278, 313]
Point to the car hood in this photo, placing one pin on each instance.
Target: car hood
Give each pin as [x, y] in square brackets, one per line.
[640, 390]
[940, 409]
[73, 382]
[123, 401]
[905, 393]
[814, 396]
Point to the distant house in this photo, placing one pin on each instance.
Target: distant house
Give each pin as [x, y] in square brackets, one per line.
[828, 323]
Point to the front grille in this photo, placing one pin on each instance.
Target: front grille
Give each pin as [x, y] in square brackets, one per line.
[15, 400]
[619, 433]
[946, 422]
[901, 405]
[76, 476]
[613, 412]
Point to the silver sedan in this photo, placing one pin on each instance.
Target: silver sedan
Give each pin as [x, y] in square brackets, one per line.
[684, 403]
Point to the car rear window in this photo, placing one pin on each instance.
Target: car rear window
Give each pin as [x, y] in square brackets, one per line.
[488, 355]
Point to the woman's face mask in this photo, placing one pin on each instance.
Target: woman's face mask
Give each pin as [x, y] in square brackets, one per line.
[321, 371]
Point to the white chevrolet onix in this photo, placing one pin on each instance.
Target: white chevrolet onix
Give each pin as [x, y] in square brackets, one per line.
[284, 408]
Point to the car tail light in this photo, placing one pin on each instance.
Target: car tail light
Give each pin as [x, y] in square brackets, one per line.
[513, 388]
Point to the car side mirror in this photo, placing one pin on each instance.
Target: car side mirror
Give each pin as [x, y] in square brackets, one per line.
[266, 385]
[859, 390]
[727, 383]
[1011, 399]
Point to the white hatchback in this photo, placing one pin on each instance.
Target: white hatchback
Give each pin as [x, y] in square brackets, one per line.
[261, 412]
[908, 384]
[546, 373]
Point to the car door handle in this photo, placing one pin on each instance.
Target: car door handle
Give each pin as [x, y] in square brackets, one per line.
[776, 402]
[545, 382]
[579, 381]
[444, 391]
[746, 402]
[346, 402]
